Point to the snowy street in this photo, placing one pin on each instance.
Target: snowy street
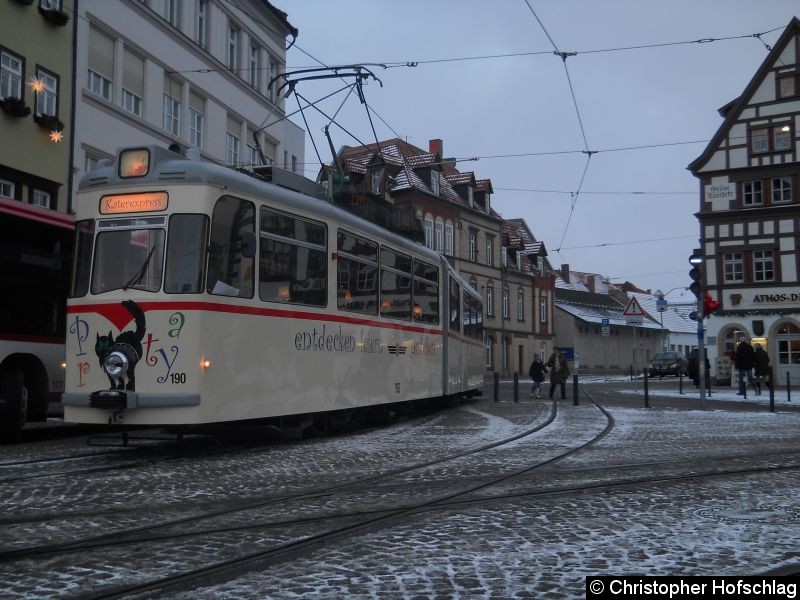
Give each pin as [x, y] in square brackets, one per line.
[669, 490]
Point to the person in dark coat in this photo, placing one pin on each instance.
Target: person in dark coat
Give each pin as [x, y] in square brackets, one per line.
[694, 369]
[537, 375]
[559, 372]
[762, 367]
[745, 361]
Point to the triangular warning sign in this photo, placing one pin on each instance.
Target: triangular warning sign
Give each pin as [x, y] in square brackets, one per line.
[634, 309]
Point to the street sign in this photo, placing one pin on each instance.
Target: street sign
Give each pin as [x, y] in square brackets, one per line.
[634, 309]
[634, 321]
[606, 327]
[661, 305]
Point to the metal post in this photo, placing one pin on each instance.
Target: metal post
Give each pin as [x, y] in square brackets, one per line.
[701, 353]
[788, 389]
[516, 387]
[575, 389]
[680, 382]
[771, 393]
[646, 391]
[496, 386]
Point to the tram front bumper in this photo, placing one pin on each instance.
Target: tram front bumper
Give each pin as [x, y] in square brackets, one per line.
[125, 399]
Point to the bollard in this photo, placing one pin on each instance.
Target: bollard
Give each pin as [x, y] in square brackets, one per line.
[631, 372]
[788, 390]
[771, 392]
[680, 383]
[516, 387]
[646, 391]
[496, 386]
[575, 390]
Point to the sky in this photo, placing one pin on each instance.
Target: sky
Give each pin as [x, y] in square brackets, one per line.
[591, 150]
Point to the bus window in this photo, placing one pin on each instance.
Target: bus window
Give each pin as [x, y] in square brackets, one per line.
[128, 258]
[395, 285]
[293, 261]
[426, 292]
[229, 272]
[84, 237]
[357, 274]
[186, 253]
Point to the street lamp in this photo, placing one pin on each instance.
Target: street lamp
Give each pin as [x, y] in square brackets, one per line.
[696, 274]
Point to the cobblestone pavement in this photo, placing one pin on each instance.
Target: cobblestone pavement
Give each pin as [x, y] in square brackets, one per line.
[511, 541]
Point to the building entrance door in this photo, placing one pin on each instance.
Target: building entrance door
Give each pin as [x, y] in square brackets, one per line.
[788, 340]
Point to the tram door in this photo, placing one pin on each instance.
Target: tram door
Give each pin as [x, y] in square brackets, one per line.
[455, 366]
[788, 339]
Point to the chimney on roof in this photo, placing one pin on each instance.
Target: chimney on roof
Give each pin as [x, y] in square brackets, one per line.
[436, 146]
[565, 273]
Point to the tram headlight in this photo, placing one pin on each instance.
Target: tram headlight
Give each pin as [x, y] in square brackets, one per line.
[116, 364]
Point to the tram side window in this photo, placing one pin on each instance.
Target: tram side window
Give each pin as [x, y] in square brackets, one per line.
[356, 274]
[230, 273]
[82, 258]
[426, 292]
[186, 254]
[455, 307]
[293, 261]
[395, 285]
[473, 317]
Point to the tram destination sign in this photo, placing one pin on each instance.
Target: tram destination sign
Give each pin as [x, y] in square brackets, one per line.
[133, 203]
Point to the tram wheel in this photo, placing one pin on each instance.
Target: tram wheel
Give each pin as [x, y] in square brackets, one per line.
[13, 406]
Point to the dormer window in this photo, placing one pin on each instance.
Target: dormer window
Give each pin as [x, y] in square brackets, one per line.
[470, 197]
[435, 182]
[375, 182]
[488, 202]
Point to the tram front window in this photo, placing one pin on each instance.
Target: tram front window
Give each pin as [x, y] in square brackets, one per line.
[129, 258]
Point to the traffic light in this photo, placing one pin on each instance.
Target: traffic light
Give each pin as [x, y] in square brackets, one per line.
[696, 275]
[709, 305]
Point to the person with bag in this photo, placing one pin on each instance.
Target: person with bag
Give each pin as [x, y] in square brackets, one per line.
[559, 372]
[762, 368]
[744, 363]
[536, 373]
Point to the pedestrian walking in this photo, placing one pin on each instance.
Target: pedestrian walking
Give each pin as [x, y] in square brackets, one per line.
[537, 375]
[744, 362]
[559, 371]
[762, 368]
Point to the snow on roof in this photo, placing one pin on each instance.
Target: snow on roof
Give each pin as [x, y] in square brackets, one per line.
[674, 320]
[593, 308]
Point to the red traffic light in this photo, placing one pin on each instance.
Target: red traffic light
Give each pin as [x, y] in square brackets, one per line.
[709, 305]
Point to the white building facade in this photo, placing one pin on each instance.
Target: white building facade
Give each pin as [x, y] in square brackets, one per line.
[188, 72]
[750, 214]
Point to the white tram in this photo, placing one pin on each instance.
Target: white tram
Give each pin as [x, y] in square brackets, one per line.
[204, 295]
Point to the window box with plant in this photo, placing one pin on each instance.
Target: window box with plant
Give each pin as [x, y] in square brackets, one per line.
[54, 16]
[15, 107]
[49, 122]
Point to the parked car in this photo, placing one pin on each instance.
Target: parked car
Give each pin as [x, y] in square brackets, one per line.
[668, 363]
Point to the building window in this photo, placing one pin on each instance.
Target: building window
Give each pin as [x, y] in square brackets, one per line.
[10, 75]
[435, 182]
[520, 305]
[763, 269]
[7, 189]
[506, 304]
[489, 300]
[233, 49]
[448, 239]
[733, 267]
[489, 352]
[427, 226]
[753, 195]
[273, 73]
[787, 84]
[196, 120]
[172, 114]
[438, 235]
[253, 159]
[294, 164]
[40, 198]
[255, 67]
[47, 99]
[543, 309]
[132, 83]
[172, 12]
[490, 251]
[232, 140]
[473, 245]
[101, 64]
[776, 138]
[781, 189]
[201, 34]
[471, 197]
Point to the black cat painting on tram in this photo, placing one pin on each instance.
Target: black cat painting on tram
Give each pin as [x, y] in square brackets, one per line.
[118, 357]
